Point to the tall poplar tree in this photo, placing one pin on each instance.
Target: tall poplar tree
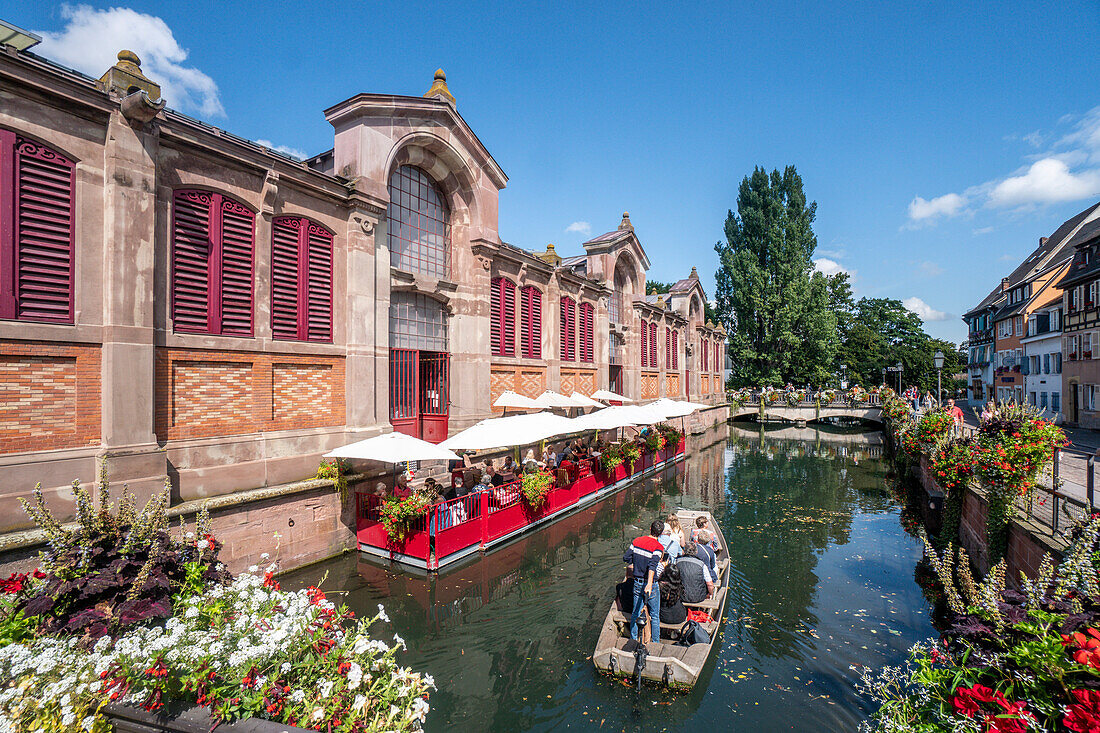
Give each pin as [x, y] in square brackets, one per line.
[775, 308]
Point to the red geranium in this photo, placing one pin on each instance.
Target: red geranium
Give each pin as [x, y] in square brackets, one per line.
[1088, 647]
[1084, 713]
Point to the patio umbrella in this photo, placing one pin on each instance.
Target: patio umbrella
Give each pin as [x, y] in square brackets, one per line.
[609, 418]
[550, 398]
[608, 396]
[585, 401]
[515, 399]
[505, 432]
[673, 408]
[393, 448]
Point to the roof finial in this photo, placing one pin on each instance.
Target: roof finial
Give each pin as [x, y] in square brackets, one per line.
[439, 88]
[694, 273]
[625, 223]
[125, 77]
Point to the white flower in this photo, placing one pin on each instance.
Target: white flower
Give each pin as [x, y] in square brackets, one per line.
[88, 722]
[360, 703]
[203, 545]
[297, 696]
[419, 709]
[284, 667]
[264, 556]
[318, 713]
[400, 641]
[326, 688]
[355, 676]
[382, 613]
[253, 568]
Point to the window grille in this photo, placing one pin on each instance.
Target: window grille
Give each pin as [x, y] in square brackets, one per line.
[418, 231]
[417, 322]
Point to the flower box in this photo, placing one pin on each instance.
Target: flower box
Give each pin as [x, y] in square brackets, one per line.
[184, 718]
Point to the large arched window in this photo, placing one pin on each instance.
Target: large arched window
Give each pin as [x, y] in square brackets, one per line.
[502, 317]
[568, 330]
[36, 231]
[212, 255]
[417, 322]
[588, 333]
[531, 334]
[301, 280]
[419, 233]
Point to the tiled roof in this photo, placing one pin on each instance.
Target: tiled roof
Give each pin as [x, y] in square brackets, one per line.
[574, 260]
[609, 236]
[681, 285]
[1080, 269]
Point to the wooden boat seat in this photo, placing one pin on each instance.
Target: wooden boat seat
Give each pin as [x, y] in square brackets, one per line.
[711, 604]
[674, 629]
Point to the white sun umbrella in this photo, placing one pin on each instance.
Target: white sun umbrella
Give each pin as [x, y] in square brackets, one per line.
[609, 418]
[550, 398]
[504, 432]
[393, 448]
[515, 399]
[673, 408]
[608, 396]
[585, 401]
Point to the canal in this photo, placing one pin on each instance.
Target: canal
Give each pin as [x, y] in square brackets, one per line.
[823, 579]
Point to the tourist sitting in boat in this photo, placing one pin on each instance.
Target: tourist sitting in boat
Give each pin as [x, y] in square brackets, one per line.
[401, 486]
[669, 541]
[643, 555]
[508, 470]
[705, 550]
[700, 525]
[673, 610]
[430, 490]
[677, 530]
[549, 458]
[695, 574]
[495, 478]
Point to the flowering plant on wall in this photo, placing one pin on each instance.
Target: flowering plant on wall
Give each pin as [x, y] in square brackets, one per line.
[631, 454]
[335, 471]
[795, 397]
[611, 457]
[1009, 660]
[535, 487]
[183, 629]
[397, 515]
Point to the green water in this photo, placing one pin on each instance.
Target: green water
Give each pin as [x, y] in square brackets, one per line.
[822, 579]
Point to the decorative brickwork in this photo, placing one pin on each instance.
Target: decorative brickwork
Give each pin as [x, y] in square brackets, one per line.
[299, 391]
[49, 396]
[649, 386]
[208, 393]
[704, 384]
[672, 385]
[578, 380]
[528, 382]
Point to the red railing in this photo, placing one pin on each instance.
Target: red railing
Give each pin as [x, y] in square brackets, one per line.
[477, 519]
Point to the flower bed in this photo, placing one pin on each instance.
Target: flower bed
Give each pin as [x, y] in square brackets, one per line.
[123, 610]
[1009, 661]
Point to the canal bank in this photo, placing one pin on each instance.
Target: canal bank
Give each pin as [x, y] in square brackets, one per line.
[823, 580]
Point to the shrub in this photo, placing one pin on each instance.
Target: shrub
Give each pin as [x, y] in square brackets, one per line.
[335, 471]
[631, 454]
[535, 487]
[611, 457]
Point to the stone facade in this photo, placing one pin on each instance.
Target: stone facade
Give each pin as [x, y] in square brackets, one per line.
[218, 410]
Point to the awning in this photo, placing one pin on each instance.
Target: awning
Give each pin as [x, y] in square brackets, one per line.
[393, 448]
[619, 416]
[673, 408]
[515, 399]
[550, 398]
[504, 432]
[586, 401]
[609, 396]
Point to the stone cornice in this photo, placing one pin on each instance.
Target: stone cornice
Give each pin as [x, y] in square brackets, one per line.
[396, 105]
[56, 86]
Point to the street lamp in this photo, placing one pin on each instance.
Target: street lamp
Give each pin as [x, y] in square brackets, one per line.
[884, 377]
[937, 359]
[844, 376]
[898, 367]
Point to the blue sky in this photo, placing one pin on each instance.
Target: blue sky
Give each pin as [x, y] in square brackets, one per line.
[940, 143]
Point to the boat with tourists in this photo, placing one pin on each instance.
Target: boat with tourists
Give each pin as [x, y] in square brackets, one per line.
[672, 659]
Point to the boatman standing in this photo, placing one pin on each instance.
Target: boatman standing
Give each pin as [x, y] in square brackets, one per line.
[643, 556]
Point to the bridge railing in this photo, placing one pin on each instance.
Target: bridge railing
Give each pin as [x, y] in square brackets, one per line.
[840, 401]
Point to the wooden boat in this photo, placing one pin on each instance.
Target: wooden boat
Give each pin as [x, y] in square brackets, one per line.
[666, 662]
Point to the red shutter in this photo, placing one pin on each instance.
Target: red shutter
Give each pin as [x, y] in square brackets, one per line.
[645, 344]
[236, 270]
[495, 316]
[508, 318]
[525, 322]
[587, 333]
[43, 233]
[668, 347]
[191, 249]
[653, 346]
[318, 320]
[285, 237]
[532, 322]
[675, 349]
[568, 347]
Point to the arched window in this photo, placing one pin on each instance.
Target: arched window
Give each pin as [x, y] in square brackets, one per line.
[653, 345]
[36, 231]
[502, 320]
[531, 332]
[301, 280]
[645, 344]
[419, 235]
[568, 330]
[588, 333]
[212, 254]
[417, 322]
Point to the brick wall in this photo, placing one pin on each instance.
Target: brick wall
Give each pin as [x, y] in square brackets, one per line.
[527, 381]
[578, 380]
[49, 396]
[672, 385]
[209, 393]
[649, 386]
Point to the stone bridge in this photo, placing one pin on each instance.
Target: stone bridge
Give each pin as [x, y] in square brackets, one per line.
[807, 412]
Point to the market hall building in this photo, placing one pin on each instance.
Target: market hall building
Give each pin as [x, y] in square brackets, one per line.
[179, 302]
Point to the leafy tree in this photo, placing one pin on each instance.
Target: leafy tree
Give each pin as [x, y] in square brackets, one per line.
[656, 287]
[773, 306]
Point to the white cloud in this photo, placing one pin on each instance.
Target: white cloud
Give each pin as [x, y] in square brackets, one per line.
[829, 267]
[92, 39]
[923, 210]
[581, 227]
[1047, 181]
[931, 269]
[284, 149]
[926, 312]
[983, 230]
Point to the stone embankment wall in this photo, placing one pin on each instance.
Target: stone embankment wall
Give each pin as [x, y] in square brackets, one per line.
[1028, 542]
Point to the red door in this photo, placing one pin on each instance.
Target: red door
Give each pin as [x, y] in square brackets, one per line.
[419, 393]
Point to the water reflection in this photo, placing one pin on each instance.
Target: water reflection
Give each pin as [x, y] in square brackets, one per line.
[823, 578]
